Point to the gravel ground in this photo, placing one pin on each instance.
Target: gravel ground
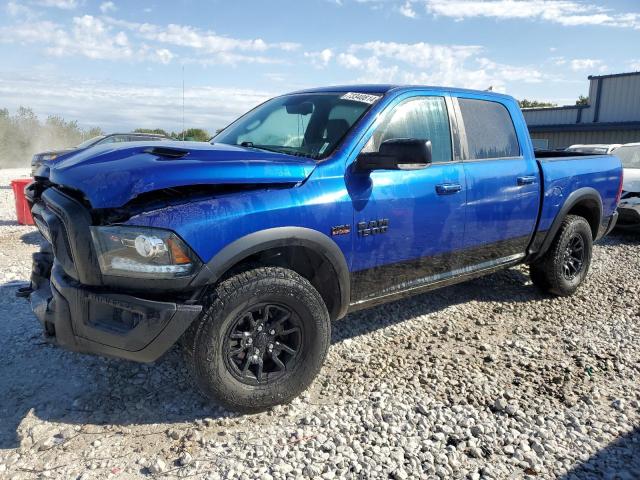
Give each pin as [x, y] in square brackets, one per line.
[487, 379]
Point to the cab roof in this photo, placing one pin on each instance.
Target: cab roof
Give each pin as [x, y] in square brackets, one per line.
[384, 88]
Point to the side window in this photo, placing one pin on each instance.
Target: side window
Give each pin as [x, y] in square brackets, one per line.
[423, 118]
[489, 128]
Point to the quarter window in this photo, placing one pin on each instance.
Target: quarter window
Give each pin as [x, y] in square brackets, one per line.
[489, 128]
[422, 118]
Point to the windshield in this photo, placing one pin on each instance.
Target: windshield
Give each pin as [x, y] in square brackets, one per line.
[629, 156]
[309, 125]
[91, 141]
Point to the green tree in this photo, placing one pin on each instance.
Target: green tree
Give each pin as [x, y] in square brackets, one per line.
[524, 103]
[156, 131]
[195, 134]
[582, 101]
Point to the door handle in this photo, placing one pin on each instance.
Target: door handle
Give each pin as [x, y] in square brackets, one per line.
[448, 188]
[526, 180]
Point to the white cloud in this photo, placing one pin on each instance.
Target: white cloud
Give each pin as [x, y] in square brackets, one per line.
[164, 55]
[634, 65]
[205, 41]
[423, 63]
[63, 4]
[109, 38]
[208, 47]
[127, 106]
[406, 9]
[91, 37]
[44, 32]
[564, 12]
[578, 64]
[320, 59]
[87, 36]
[14, 9]
[106, 7]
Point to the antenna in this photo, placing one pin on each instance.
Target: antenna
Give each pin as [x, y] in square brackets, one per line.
[183, 103]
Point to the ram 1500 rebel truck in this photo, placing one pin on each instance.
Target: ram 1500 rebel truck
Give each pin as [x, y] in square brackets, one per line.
[312, 205]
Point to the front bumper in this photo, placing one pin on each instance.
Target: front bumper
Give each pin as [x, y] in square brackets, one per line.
[84, 311]
[116, 325]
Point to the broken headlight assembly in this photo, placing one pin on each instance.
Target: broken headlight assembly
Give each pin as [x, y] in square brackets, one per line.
[142, 252]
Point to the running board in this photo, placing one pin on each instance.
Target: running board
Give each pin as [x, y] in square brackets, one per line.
[433, 282]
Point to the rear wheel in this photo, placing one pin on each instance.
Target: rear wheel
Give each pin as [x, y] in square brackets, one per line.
[261, 342]
[565, 265]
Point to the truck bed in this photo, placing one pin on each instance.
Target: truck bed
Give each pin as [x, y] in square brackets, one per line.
[564, 173]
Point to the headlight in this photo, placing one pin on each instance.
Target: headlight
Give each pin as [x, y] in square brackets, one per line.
[142, 252]
[48, 156]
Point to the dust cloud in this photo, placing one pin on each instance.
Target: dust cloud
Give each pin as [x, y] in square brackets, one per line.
[23, 134]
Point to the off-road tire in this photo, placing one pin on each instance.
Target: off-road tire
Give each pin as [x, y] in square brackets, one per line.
[204, 342]
[549, 272]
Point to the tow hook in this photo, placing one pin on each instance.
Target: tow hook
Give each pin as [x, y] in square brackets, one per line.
[24, 292]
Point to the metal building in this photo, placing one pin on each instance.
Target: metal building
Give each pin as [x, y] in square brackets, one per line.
[612, 116]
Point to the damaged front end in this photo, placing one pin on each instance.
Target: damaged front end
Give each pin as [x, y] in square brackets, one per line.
[81, 308]
[115, 275]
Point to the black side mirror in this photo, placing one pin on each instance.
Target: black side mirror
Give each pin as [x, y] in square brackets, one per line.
[397, 154]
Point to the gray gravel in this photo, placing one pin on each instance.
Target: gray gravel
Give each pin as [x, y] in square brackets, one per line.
[488, 379]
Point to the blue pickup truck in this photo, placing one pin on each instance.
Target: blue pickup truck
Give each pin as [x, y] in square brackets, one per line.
[310, 206]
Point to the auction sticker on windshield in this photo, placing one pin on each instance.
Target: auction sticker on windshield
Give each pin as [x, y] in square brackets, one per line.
[360, 97]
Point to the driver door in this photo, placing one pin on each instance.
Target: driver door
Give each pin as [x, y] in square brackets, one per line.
[409, 223]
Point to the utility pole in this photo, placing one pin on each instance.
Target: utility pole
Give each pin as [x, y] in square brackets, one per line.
[183, 103]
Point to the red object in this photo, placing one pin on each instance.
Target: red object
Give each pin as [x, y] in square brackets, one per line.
[22, 207]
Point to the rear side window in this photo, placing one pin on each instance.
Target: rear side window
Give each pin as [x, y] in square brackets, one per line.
[489, 128]
[422, 118]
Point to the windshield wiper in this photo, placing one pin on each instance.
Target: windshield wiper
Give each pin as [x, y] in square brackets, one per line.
[286, 150]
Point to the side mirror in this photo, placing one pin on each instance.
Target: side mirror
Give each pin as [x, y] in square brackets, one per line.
[397, 154]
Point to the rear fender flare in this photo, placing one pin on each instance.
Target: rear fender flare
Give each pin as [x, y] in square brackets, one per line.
[574, 198]
[263, 240]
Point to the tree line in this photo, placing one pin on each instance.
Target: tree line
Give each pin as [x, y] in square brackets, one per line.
[524, 103]
[23, 134]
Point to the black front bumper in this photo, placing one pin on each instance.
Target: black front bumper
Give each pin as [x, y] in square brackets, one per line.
[116, 325]
[82, 311]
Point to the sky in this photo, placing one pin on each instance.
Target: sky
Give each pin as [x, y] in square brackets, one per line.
[119, 64]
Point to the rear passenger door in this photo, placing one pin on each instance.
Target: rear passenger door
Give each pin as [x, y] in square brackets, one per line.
[503, 184]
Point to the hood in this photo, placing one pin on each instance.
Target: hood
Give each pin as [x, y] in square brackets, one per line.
[631, 182]
[111, 175]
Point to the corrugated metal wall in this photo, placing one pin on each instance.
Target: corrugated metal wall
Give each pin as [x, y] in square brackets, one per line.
[588, 113]
[565, 139]
[551, 116]
[619, 102]
[620, 99]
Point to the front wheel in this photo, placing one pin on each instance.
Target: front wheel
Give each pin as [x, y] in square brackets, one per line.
[565, 265]
[261, 342]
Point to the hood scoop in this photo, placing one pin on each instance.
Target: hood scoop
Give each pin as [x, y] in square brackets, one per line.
[167, 152]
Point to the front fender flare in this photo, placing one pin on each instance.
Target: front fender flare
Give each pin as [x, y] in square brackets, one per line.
[262, 240]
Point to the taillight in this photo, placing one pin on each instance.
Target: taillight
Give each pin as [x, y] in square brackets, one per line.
[620, 187]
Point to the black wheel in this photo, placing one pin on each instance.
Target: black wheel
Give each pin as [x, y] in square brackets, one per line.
[262, 340]
[565, 266]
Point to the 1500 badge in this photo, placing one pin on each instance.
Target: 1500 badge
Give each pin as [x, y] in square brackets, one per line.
[373, 227]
